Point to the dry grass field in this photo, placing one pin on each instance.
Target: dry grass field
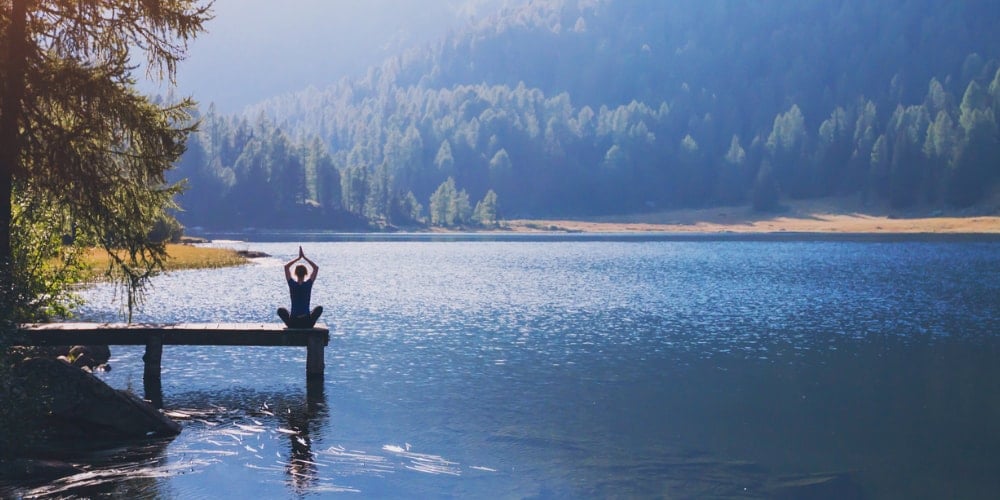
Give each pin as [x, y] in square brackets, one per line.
[178, 257]
[823, 216]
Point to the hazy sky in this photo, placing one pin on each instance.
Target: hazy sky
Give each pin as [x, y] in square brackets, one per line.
[255, 49]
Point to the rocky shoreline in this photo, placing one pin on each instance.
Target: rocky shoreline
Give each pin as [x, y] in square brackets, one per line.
[55, 404]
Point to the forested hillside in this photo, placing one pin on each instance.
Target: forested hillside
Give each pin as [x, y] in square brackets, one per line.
[593, 107]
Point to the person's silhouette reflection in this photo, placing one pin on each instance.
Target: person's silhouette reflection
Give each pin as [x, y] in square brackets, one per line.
[301, 466]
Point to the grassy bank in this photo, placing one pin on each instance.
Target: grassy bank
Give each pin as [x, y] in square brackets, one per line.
[178, 257]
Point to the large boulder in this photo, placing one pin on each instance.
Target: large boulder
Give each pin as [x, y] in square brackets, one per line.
[75, 403]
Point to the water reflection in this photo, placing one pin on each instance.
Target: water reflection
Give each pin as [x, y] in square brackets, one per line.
[301, 466]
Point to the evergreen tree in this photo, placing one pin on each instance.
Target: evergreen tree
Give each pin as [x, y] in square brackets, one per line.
[907, 164]
[732, 183]
[444, 160]
[501, 170]
[354, 188]
[287, 174]
[377, 202]
[865, 136]
[486, 210]
[834, 150]
[442, 204]
[407, 209]
[994, 90]
[937, 99]
[785, 145]
[974, 100]
[975, 163]
[940, 148]
[460, 209]
[765, 194]
[736, 155]
[75, 135]
[326, 178]
[878, 171]
[253, 180]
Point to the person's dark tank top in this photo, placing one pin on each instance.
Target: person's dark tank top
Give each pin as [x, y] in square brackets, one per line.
[300, 294]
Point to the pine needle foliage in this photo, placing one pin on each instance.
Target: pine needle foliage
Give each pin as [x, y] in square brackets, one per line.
[78, 144]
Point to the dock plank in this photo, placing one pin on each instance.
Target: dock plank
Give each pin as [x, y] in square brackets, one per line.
[227, 334]
[156, 335]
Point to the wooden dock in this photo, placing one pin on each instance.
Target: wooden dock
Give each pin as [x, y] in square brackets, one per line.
[156, 335]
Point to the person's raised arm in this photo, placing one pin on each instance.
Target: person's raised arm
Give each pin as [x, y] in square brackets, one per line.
[315, 268]
[288, 267]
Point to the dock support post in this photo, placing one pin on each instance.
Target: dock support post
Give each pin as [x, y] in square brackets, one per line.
[154, 353]
[315, 365]
[151, 370]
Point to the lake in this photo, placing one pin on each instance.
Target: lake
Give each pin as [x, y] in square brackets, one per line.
[579, 367]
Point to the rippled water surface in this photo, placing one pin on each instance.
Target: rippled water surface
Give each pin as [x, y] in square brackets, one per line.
[512, 369]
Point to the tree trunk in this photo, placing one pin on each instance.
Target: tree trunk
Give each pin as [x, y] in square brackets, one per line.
[11, 108]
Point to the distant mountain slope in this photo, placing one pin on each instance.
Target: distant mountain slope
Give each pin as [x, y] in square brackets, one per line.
[591, 106]
[817, 53]
[255, 49]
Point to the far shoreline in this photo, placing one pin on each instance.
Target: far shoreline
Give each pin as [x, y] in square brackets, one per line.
[803, 218]
[726, 223]
[823, 216]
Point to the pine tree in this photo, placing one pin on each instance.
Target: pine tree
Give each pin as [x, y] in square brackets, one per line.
[74, 132]
[378, 202]
[731, 184]
[764, 196]
[939, 148]
[354, 188]
[994, 90]
[833, 152]
[444, 160]
[407, 208]
[326, 178]
[785, 145]
[460, 210]
[442, 204]
[486, 210]
[974, 166]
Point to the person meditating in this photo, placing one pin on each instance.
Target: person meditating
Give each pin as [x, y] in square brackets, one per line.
[300, 290]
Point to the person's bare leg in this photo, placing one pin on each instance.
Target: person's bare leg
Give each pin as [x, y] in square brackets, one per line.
[285, 316]
[314, 315]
